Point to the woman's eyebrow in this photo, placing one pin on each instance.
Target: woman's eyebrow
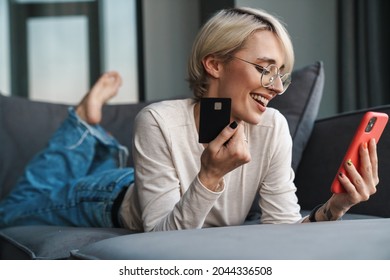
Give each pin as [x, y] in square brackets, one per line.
[266, 59]
[269, 61]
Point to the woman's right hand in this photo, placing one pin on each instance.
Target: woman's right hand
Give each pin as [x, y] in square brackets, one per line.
[225, 153]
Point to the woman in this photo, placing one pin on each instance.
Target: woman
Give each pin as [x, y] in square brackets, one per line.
[241, 53]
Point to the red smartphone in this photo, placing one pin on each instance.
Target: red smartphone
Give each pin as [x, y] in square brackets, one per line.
[371, 126]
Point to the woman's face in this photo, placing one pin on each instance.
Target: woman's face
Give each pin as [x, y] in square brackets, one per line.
[240, 80]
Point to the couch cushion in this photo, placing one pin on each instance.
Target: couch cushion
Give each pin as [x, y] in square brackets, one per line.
[300, 104]
[310, 241]
[49, 242]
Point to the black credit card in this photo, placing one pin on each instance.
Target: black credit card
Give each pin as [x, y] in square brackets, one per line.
[214, 117]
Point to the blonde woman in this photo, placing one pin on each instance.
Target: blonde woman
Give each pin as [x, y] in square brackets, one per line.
[241, 53]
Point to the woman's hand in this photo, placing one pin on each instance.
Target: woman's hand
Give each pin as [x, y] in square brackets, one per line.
[359, 185]
[226, 152]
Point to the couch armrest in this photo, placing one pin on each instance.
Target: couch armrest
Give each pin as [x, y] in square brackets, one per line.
[323, 155]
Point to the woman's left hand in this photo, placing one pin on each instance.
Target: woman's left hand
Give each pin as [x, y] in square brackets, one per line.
[360, 184]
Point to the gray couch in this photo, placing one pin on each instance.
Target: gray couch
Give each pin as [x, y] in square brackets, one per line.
[25, 127]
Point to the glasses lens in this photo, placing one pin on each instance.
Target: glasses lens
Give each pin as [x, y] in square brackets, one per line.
[270, 73]
[286, 80]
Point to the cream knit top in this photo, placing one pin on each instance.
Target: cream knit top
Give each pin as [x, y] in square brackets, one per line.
[167, 194]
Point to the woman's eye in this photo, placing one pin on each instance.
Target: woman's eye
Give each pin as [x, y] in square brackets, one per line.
[260, 69]
[263, 70]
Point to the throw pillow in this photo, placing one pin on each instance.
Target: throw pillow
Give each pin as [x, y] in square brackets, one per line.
[300, 104]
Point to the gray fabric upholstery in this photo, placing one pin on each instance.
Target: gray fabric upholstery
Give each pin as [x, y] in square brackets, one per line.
[319, 241]
[49, 242]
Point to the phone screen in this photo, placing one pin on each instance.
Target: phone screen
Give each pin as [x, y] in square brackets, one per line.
[214, 117]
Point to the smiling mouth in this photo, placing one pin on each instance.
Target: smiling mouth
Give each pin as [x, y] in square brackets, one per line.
[260, 99]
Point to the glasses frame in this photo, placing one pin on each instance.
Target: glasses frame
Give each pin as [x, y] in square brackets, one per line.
[262, 70]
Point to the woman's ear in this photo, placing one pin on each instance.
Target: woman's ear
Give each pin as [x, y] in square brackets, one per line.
[212, 65]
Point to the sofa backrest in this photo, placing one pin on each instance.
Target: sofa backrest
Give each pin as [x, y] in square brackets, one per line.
[26, 126]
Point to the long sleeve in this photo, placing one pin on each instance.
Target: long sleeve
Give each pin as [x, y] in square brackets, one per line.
[165, 203]
[278, 200]
[167, 194]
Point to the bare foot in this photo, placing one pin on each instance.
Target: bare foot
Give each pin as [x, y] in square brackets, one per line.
[106, 87]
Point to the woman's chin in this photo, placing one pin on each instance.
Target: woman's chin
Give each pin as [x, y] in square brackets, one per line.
[253, 119]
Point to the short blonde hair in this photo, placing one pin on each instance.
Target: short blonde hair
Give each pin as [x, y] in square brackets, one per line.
[226, 33]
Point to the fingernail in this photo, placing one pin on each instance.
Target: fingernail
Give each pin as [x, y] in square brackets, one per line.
[365, 145]
[349, 162]
[233, 125]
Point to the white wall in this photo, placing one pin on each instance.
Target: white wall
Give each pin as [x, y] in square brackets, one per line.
[120, 46]
[312, 26]
[57, 58]
[170, 27]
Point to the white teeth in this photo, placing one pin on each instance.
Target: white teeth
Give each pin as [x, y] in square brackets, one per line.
[260, 98]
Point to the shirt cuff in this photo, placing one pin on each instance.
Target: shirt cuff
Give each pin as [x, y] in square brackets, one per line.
[220, 188]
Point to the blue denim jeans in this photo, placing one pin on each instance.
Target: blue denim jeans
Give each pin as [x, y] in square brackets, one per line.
[72, 182]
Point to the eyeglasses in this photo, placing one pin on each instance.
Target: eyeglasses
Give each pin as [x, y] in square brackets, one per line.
[269, 74]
